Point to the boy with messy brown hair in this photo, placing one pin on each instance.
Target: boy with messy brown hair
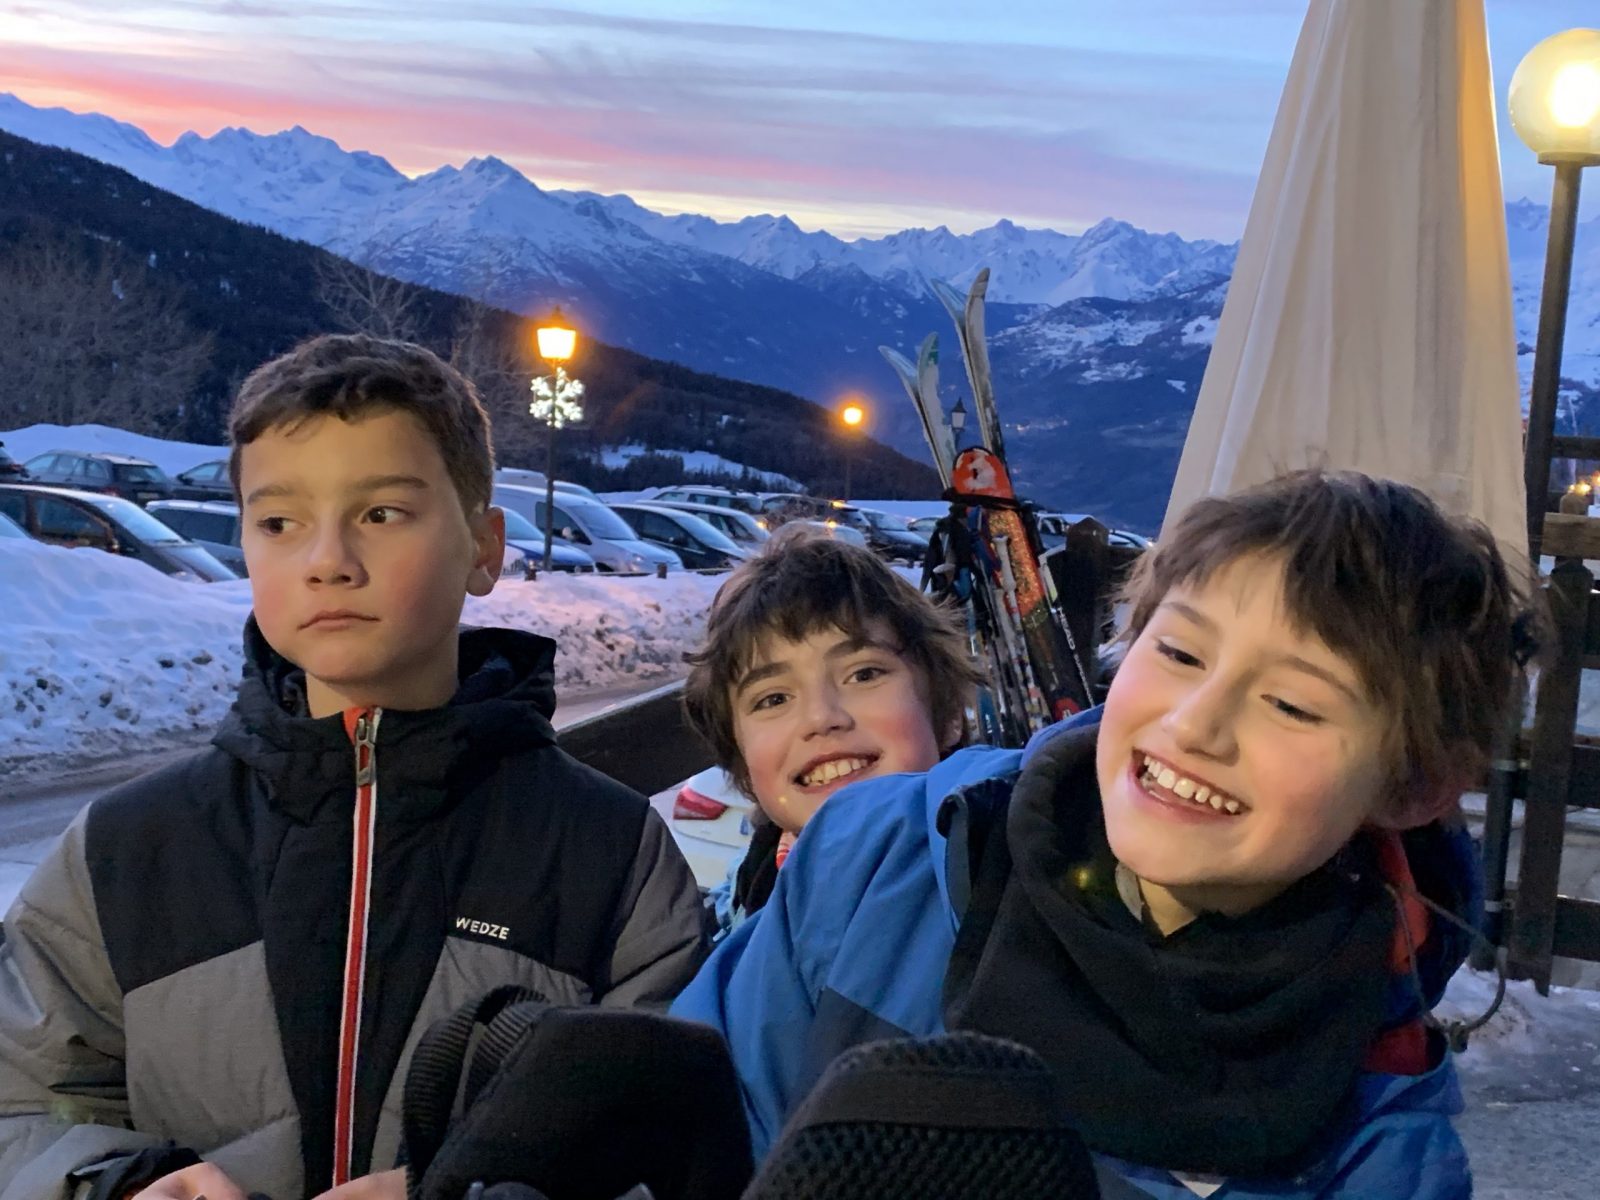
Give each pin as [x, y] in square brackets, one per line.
[1221, 905]
[821, 667]
[214, 984]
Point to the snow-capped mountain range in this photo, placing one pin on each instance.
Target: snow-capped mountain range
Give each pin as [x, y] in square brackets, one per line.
[1099, 338]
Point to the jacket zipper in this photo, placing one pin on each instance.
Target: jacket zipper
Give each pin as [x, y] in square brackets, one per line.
[362, 725]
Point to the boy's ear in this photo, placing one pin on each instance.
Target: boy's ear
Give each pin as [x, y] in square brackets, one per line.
[954, 733]
[489, 550]
[1420, 802]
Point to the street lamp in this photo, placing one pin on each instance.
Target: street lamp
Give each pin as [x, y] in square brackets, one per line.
[555, 402]
[852, 416]
[1555, 109]
[958, 422]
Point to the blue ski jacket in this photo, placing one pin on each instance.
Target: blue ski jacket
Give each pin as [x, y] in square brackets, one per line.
[855, 941]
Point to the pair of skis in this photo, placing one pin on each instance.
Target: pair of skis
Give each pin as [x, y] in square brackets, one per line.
[986, 553]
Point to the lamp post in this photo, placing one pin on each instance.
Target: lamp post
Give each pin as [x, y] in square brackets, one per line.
[1555, 109]
[555, 401]
[852, 416]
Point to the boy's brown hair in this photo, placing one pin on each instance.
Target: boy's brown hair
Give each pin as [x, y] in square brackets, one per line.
[803, 582]
[1420, 603]
[351, 375]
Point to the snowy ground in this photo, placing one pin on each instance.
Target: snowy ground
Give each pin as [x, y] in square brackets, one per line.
[101, 655]
[1531, 1079]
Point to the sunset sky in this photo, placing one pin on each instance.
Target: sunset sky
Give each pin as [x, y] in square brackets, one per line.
[861, 118]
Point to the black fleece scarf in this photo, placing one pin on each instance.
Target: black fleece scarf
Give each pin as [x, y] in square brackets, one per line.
[1229, 1047]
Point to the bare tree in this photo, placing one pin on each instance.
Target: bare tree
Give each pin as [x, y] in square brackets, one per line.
[88, 333]
[362, 301]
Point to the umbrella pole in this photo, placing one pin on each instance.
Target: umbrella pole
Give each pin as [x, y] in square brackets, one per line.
[1547, 353]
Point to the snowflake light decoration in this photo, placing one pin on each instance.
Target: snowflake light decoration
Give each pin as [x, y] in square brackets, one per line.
[557, 403]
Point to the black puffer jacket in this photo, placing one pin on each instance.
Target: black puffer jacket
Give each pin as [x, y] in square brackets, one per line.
[186, 965]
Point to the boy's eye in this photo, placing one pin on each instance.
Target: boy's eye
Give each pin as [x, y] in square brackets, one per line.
[271, 526]
[867, 674]
[1182, 657]
[385, 514]
[769, 701]
[1294, 712]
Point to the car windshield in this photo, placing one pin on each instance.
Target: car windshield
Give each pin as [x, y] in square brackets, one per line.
[5, 459]
[519, 528]
[705, 532]
[599, 520]
[10, 529]
[140, 473]
[885, 520]
[136, 521]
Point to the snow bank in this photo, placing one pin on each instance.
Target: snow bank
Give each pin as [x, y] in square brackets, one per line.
[102, 655]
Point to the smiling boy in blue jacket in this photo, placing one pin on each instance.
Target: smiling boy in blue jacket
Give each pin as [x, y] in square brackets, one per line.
[1207, 904]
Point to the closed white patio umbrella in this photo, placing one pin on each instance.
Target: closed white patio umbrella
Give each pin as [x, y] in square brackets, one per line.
[1368, 324]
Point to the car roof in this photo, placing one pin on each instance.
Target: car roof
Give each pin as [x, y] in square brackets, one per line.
[710, 489]
[645, 506]
[226, 507]
[688, 506]
[105, 456]
[95, 498]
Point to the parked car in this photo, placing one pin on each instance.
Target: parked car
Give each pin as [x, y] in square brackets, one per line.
[212, 524]
[699, 544]
[64, 517]
[886, 533]
[778, 507]
[734, 523]
[1053, 533]
[590, 525]
[10, 468]
[135, 479]
[923, 525]
[719, 497]
[835, 530]
[10, 529]
[535, 479]
[529, 542]
[208, 481]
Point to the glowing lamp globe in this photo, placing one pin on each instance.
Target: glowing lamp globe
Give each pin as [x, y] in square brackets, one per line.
[852, 415]
[1555, 98]
[557, 339]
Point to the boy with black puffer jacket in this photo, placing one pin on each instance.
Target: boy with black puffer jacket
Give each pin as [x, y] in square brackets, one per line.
[1219, 905]
[214, 983]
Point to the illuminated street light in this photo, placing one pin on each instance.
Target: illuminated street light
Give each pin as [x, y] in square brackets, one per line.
[555, 402]
[852, 416]
[1555, 109]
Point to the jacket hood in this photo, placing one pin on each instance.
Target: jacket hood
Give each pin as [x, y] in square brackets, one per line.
[503, 703]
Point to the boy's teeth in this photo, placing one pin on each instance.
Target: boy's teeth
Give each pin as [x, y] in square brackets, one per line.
[1184, 788]
[833, 769]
